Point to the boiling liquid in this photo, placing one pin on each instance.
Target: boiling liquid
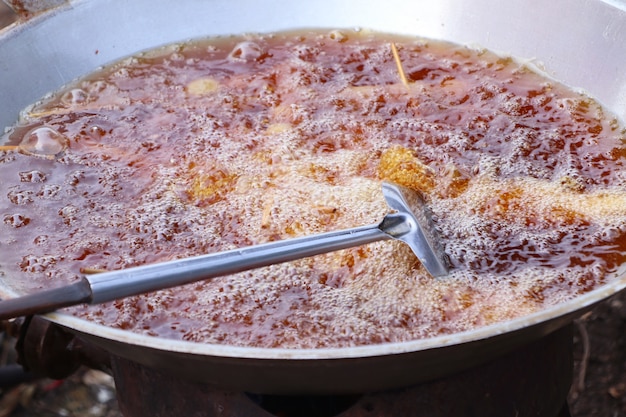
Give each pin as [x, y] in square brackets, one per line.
[220, 144]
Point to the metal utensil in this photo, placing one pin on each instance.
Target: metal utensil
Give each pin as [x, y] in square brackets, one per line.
[409, 223]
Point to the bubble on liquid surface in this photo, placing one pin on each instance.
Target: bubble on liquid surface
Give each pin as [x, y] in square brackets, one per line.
[20, 197]
[32, 176]
[338, 36]
[16, 220]
[32, 263]
[43, 141]
[74, 96]
[246, 51]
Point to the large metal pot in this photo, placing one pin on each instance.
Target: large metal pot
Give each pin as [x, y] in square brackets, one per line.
[579, 42]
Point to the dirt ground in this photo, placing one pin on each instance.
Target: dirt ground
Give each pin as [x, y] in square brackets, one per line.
[599, 387]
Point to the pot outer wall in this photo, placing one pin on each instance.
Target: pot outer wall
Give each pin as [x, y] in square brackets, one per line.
[531, 381]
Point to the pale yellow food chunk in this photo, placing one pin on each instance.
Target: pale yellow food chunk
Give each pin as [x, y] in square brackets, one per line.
[202, 86]
[401, 166]
[209, 186]
[541, 203]
[277, 128]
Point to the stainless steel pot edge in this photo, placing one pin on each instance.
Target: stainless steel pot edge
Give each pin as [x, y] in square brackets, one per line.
[75, 38]
[577, 306]
[603, 24]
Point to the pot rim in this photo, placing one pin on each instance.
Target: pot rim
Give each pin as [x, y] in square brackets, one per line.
[577, 306]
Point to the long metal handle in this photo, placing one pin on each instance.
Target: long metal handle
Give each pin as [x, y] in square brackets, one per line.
[402, 224]
[46, 301]
[108, 286]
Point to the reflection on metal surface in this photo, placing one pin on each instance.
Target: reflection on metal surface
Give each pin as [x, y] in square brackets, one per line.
[504, 27]
[29, 8]
[7, 16]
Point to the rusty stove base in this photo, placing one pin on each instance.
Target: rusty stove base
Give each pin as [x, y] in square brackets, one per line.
[532, 381]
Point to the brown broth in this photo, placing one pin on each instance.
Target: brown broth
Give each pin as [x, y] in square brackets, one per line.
[224, 143]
